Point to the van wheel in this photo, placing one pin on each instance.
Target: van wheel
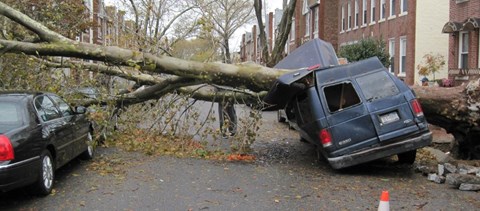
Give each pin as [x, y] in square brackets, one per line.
[407, 157]
[46, 175]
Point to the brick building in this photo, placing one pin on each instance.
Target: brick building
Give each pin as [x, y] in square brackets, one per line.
[463, 28]
[410, 29]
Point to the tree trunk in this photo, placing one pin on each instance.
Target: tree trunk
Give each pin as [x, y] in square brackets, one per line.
[455, 109]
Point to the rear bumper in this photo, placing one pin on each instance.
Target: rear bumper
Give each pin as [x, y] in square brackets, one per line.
[381, 151]
[19, 174]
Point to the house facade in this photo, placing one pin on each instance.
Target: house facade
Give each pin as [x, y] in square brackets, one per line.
[409, 28]
[464, 40]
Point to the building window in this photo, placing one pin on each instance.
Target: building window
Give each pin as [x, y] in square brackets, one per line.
[372, 12]
[403, 55]
[383, 8]
[404, 6]
[315, 22]
[391, 51]
[343, 18]
[306, 14]
[364, 12]
[392, 7]
[349, 16]
[463, 54]
[356, 14]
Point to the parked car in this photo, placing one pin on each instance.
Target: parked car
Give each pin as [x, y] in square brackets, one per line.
[353, 113]
[39, 133]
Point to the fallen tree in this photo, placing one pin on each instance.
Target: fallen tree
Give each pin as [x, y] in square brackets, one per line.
[455, 109]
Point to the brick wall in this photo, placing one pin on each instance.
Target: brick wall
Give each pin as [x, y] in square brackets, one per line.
[460, 12]
[392, 27]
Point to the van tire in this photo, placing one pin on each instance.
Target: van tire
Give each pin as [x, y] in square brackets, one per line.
[407, 157]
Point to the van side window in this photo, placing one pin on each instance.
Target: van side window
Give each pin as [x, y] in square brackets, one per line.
[341, 96]
[377, 85]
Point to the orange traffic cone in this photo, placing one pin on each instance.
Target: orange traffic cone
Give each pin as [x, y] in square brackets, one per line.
[384, 204]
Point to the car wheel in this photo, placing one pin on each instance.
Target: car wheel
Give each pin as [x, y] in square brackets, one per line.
[90, 151]
[407, 157]
[280, 118]
[46, 175]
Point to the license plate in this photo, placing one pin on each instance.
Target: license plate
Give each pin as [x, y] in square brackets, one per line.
[389, 118]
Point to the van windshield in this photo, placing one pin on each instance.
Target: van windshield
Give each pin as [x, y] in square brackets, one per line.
[377, 85]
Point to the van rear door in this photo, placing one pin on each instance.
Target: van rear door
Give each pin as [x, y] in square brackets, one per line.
[349, 121]
[389, 109]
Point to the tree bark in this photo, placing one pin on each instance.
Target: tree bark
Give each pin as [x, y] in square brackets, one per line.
[455, 109]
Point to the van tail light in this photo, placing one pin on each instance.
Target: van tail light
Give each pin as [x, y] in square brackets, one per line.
[417, 109]
[6, 149]
[325, 138]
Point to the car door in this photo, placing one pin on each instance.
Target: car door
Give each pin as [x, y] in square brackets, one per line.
[54, 127]
[76, 127]
[389, 109]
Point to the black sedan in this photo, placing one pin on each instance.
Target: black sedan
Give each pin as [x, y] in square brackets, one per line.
[39, 132]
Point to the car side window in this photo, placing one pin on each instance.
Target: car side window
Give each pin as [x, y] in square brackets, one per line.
[62, 105]
[341, 96]
[46, 108]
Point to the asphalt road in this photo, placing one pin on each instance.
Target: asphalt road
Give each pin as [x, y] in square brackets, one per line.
[286, 176]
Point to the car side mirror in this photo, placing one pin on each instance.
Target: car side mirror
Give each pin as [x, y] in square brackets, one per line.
[80, 109]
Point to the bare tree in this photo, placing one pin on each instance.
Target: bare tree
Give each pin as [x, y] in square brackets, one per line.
[225, 17]
[284, 27]
[455, 109]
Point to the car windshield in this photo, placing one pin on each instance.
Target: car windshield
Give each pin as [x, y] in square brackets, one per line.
[10, 116]
[377, 85]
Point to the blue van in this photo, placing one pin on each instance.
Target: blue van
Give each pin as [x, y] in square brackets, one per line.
[353, 113]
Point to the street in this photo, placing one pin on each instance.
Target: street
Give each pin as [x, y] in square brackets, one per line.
[287, 175]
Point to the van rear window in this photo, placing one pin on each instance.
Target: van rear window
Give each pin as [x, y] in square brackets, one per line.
[341, 96]
[377, 85]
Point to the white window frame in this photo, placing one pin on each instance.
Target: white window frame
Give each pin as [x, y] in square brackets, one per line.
[392, 8]
[292, 30]
[391, 51]
[355, 23]
[383, 10]
[307, 25]
[364, 13]
[403, 55]
[403, 11]
[349, 15]
[315, 22]
[462, 51]
[478, 54]
[343, 19]
[372, 11]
